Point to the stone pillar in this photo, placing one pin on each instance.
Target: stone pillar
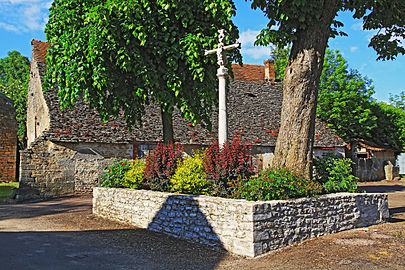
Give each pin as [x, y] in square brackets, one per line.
[222, 73]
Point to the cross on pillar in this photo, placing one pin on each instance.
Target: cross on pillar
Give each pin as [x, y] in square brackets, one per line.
[222, 73]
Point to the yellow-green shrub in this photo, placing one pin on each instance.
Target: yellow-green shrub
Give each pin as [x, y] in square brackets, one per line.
[136, 175]
[190, 177]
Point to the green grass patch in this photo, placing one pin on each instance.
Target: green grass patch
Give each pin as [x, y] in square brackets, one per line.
[6, 190]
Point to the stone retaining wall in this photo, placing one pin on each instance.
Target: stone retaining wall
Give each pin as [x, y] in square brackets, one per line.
[239, 226]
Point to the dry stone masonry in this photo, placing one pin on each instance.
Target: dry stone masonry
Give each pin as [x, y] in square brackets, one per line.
[49, 169]
[239, 226]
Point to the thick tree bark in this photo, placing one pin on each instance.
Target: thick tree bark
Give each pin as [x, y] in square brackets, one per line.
[167, 122]
[300, 93]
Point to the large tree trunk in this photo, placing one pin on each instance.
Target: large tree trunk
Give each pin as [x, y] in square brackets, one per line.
[300, 93]
[167, 122]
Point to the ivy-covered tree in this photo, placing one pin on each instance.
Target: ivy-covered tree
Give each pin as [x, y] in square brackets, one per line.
[122, 55]
[14, 76]
[308, 24]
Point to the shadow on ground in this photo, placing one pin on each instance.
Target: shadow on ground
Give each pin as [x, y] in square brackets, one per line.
[397, 214]
[382, 188]
[108, 249]
[42, 208]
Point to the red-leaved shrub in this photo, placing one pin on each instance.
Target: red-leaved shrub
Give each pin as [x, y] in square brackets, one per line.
[227, 164]
[161, 164]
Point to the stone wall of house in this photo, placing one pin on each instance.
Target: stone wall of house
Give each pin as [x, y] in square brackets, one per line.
[372, 167]
[8, 141]
[239, 226]
[38, 118]
[51, 169]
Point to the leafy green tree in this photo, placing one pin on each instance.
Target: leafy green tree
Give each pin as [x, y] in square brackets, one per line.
[344, 100]
[14, 76]
[398, 100]
[280, 56]
[308, 24]
[390, 126]
[122, 55]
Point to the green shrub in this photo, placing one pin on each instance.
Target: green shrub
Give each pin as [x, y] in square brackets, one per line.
[335, 174]
[115, 172]
[136, 175]
[190, 177]
[276, 184]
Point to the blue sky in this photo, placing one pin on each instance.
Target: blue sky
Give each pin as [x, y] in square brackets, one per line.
[23, 20]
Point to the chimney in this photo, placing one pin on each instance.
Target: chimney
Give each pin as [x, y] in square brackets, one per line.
[269, 71]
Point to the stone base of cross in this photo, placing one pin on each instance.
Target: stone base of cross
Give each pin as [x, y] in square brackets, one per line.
[222, 73]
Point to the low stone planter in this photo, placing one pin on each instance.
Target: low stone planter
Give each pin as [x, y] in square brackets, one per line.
[239, 226]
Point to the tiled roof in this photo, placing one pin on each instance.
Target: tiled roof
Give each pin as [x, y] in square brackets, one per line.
[371, 145]
[254, 114]
[248, 73]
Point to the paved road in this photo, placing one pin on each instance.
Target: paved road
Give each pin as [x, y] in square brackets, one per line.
[63, 234]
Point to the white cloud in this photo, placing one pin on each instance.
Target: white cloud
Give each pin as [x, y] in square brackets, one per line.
[256, 52]
[248, 50]
[354, 48]
[357, 26]
[248, 37]
[24, 15]
[8, 27]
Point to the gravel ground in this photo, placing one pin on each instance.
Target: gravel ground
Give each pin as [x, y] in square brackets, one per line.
[63, 234]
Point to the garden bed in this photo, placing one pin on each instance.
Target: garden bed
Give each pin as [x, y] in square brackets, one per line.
[239, 226]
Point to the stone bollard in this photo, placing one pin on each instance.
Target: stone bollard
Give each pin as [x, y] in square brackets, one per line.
[389, 171]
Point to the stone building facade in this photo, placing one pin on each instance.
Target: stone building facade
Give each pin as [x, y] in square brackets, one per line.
[65, 147]
[370, 159]
[8, 140]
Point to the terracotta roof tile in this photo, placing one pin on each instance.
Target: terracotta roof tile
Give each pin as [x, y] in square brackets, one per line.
[248, 73]
[39, 50]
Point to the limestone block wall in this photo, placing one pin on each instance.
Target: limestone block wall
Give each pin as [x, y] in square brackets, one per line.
[51, 169]
[8, 141]
[38, 118]
[239, 226]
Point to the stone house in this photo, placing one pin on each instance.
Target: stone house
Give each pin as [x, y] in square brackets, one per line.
[66, 149]
[370, 159]
[8, 140]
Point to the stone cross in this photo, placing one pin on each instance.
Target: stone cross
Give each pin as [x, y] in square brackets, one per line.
[222, 73]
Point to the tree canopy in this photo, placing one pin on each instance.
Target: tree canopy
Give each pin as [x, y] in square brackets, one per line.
[344, 99]
[346, 104]
[14, 76]
[122, 55]
[308, 24]
[398, 100]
